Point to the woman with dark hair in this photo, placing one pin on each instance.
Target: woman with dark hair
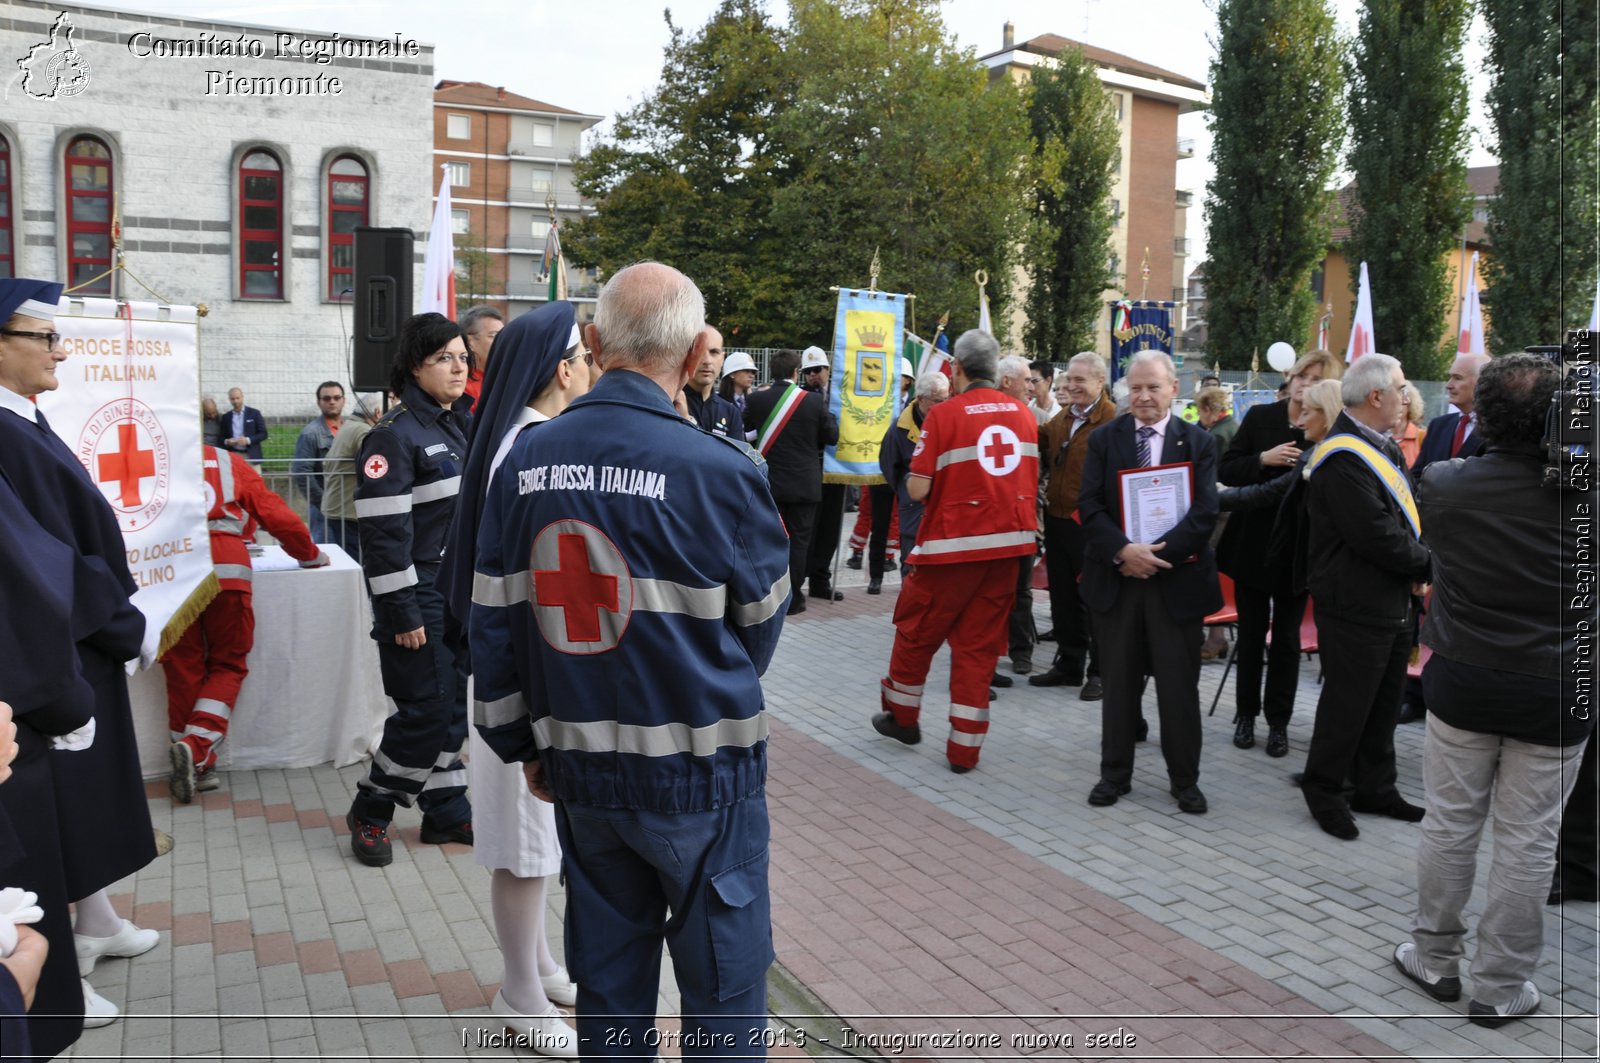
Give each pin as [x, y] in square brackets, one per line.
[540, 365]
[409, 474]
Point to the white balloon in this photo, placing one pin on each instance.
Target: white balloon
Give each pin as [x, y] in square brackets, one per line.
[1280, 356]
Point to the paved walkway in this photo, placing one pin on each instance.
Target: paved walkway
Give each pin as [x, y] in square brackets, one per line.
[918, 914]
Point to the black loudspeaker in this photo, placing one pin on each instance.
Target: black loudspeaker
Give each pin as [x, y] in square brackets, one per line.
[383, 302]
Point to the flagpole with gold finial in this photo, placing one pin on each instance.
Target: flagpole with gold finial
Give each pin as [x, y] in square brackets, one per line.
[1144, 275]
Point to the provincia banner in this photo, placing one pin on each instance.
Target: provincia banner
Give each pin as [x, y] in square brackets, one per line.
[128, 407]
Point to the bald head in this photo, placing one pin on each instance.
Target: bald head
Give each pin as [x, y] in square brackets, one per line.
[1462, 383]
[649, 316]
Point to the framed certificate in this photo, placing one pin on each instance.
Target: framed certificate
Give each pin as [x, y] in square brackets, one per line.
[1155, 499]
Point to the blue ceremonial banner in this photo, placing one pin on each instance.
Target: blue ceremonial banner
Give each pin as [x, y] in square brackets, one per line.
[864, 390]
[1138, 325]
[1246, 398]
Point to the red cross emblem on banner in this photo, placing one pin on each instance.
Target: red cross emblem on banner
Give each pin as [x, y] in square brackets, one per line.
[579, 577]
[127, 465]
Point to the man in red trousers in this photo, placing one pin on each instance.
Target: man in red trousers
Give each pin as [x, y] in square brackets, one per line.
[976, 467]
[207, 665]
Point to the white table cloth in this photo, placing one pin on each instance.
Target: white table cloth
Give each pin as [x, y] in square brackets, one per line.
[313, 694]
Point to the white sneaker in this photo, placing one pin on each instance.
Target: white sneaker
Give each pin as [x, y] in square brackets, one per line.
[129, 941]
[97, 1010]
[546, 1034]
[1526, 1002]
[560, 988]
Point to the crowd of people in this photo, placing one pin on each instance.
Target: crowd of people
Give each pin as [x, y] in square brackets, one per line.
[581, 543]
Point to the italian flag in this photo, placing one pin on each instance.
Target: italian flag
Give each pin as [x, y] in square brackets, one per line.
[779, 417]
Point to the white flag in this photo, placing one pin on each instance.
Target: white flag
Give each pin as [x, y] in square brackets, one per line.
[1361, 341]
[439, 260]
[1471, 341]
[1594, 315]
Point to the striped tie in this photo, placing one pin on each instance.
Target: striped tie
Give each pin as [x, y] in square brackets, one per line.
[1144, 434]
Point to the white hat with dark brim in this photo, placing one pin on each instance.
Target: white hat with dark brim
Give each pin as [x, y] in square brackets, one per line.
[812, 358]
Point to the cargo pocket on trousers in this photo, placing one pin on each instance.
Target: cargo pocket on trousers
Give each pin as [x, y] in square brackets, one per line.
[413, 675]
[740, 918]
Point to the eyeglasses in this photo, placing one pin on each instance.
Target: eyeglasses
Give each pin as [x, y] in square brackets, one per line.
[52, 339]
[815, 369]
[586, 354]
[330, 398]
[445, 358]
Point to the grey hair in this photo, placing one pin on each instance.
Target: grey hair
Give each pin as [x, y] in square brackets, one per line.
[648, 316]
[473, 314]
[929, 384]
[1013, 367]
[1095, 363]
[1160, 358]
[978, 354]
[1369, 373]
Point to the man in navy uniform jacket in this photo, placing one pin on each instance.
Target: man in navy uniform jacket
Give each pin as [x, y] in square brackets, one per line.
[631, 581]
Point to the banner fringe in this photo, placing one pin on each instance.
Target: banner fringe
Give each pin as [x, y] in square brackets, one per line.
[197, 602]
[860, 479]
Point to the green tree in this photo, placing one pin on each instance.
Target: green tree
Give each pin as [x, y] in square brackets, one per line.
[472, 271]
[1067, 243]
[1276, 125]
[689, 174]
[1542, 107]
[770, 163]
[1408, 126]
[895, 141]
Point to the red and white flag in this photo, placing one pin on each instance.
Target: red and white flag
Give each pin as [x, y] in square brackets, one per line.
[1361, 341]
[1471, 341]
[439, 260]
[984, 324]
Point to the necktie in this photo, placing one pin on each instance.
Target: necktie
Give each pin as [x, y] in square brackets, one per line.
[1144, 434]
[1461, 434]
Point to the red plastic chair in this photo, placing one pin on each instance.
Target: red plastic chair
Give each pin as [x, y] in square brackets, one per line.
[1229, 615]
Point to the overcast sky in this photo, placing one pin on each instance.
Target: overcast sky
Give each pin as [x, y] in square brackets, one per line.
[602, 56]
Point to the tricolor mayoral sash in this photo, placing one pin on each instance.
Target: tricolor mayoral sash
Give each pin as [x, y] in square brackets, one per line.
[1384, 469]
[864, 390]
[128, 407]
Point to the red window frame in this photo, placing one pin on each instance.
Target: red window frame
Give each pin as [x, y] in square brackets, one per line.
[342, 263]
[8, 230]
[81, 263]
[260, 237]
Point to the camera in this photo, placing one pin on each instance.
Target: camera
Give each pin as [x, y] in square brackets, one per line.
[1569, 430]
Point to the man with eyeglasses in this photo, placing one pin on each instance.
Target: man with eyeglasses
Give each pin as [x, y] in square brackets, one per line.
[481, 324]
[1365, 559]
[245, 426]
[311, 450]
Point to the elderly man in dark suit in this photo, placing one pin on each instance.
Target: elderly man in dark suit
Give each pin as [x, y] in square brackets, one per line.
[1148, 599]
[1454, 435]
[792, 425]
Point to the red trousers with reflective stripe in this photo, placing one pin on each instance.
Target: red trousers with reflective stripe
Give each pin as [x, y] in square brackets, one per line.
[208, 664]
[967, 604]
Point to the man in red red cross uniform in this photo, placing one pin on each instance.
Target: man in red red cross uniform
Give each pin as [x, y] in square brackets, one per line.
[976, 468]
[207, 665]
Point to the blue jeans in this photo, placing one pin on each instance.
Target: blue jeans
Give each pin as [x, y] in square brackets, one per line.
[625, 870]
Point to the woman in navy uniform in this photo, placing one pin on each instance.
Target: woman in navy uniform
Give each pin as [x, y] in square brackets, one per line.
[406, 487]
[99, 788]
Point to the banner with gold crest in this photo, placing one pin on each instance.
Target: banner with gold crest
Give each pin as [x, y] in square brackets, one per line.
[864, 389]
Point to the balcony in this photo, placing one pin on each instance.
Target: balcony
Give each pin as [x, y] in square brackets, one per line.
[1185, 198]
[527, 289]
[1180, 246]
[525, 243]
[1185, 147]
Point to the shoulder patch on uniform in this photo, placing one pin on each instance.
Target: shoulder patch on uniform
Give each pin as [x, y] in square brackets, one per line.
[376, 467]
[744, 448]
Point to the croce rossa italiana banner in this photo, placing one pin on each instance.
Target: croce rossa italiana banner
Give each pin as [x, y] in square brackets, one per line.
[128, 407]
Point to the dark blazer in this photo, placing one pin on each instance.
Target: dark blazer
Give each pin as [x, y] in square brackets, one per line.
[1436, 444]
[255, 430]
[794, 464]
[1361, 556]
[1243, 552]
[1189, 588]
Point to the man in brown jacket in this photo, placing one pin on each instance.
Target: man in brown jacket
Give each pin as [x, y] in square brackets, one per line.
[1063, 444]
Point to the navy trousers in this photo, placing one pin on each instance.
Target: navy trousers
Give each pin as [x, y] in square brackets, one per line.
[419, 759]
[626, 871]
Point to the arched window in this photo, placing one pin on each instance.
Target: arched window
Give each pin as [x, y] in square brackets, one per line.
[260, 226]
[88, 183]
[347, 208]
[8, 253]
